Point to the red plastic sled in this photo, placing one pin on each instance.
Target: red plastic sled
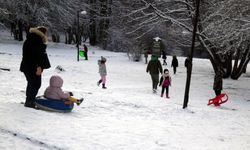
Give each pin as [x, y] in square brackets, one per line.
[220, 99]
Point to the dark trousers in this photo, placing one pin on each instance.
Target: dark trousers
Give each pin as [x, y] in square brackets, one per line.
[163, 89]
[174, 69]
[155, 80]
[86, 56]
[146, 60]
[217, 92]
[164, 62]
[33, 85]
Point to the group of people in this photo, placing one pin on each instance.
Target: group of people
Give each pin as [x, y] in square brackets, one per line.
[35, 60]
[154, 67]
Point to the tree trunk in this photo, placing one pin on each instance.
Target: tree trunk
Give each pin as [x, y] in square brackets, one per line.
[227, 65]
[20, 30]
[245, 69]
[69, 35]
[16, 31]
[105, 11]
[55, 37]
[239, 69]
[92, 26]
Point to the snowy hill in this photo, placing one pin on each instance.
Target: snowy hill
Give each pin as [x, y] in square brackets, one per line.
[125, 116]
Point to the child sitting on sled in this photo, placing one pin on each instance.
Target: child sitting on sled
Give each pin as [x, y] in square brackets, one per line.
[54, 91]
[165, 82]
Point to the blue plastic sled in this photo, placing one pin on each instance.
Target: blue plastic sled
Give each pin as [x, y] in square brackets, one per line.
[54, 104]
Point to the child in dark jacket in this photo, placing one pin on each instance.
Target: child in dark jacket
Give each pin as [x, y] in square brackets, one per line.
[165, 82]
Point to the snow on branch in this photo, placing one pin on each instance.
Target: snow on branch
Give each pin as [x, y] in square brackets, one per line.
[163, 16]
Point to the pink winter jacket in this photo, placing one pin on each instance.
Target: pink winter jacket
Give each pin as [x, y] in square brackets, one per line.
[54, 90]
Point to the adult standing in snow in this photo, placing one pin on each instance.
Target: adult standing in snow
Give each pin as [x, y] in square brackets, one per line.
[102, 71]
[187, 61]
[34, 61]
[174, 63]
[164, 57]
[154, 68]
[86, 51]
[146, 55]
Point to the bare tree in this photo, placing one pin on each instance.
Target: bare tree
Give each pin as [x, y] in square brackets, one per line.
[223, 28]
[224, 31]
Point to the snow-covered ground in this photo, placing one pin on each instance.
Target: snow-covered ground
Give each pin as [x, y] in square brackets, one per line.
[126, 115]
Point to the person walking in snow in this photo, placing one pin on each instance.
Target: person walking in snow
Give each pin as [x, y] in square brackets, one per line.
[102, 72]
[85, 51]
[187, 61]
[174, 63]
[146, 55]
[165, 82]
[164, 57]
[34, 61]
[54, 91]
[154, 68]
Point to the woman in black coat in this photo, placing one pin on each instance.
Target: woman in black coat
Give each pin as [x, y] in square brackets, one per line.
[34, 60]
[174, 63]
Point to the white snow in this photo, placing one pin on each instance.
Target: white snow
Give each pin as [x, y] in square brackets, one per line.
[126, 115]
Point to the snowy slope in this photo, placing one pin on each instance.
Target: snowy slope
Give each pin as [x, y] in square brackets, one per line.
[127, 115]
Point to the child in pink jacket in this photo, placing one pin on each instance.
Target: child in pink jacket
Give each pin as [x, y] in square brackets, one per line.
[165, 82]
[54, 91]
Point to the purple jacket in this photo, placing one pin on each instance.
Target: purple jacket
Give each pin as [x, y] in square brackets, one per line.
[165, 80]
[54, 90]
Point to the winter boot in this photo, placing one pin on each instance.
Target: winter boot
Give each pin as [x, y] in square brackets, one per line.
[99, 82]
[30, 103]
[79, 101]
[167, 95]
[103, 86]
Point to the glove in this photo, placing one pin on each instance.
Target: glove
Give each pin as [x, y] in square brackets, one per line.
[70, 93]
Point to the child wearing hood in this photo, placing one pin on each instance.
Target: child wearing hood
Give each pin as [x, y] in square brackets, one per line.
[54, 91]
[102, 71]
[165, 82]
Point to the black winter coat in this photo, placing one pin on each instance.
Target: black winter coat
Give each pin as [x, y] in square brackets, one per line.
[154, 67]
[34, 53]
[187, 60]
[174, 62]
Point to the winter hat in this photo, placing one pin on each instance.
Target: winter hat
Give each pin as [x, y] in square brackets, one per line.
[103, 59]
[56, 81]
[42, 29]
[165, 71]
[154, 57]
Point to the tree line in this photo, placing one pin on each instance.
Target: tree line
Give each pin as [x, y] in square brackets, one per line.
[125, 25]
